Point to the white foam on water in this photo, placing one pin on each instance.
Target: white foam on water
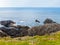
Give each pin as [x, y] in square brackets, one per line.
[22, 21]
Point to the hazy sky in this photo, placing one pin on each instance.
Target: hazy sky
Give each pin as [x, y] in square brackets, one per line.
[29, 3]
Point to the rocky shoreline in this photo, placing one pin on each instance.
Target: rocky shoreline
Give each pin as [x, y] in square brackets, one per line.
[9, 29]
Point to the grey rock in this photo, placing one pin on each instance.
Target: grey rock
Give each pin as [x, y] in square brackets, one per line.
[44, 29]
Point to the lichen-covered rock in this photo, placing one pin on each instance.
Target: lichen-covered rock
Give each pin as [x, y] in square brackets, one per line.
[23, 30]
[44, 29]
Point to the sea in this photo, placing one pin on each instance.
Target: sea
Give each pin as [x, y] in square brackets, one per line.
[26, 16]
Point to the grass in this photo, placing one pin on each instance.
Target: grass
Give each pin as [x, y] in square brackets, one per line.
[53, 39]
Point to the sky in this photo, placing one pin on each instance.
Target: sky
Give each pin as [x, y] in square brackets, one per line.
[29, 3]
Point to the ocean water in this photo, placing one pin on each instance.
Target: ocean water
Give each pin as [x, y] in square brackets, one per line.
[27, 16]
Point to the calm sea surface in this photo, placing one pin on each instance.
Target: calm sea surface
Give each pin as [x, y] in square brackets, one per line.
[27, 16]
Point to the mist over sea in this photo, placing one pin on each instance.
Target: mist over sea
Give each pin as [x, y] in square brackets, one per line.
[27, 16]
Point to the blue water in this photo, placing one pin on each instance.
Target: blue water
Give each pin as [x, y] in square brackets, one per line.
[27, 16]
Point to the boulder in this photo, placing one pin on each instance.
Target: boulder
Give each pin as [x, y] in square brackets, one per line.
[37, 21]
[6, 23]
[49, 21]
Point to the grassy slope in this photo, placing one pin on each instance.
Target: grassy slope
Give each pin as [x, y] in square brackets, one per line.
[53, 39]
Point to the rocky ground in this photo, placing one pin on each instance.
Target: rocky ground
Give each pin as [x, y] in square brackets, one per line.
[9, 29]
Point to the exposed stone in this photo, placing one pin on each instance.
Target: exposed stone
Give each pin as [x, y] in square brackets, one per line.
[37, 21]
[3, 34]
[23, 30]
[49, 21]
[6, 23]
[44, 29]
[15, 31]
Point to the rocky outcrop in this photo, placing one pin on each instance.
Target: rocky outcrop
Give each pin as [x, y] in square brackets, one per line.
[37, 21]
[3, 34]
[44, 29]
[15, 31]
[23, 30]
[49, 21]
[11, 30]
[6, 23]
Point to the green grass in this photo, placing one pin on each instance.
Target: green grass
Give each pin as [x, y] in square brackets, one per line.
[53, 39]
